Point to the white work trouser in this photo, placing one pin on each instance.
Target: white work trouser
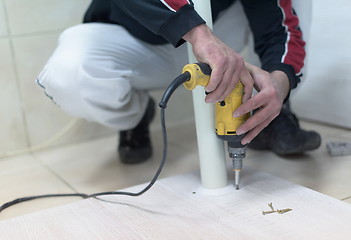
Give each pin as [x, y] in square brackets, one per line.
[102, 73]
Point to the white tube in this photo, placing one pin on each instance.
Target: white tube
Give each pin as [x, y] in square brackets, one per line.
[211, 149]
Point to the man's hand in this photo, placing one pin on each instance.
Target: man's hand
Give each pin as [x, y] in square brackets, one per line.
[272, 90]
[226, 64]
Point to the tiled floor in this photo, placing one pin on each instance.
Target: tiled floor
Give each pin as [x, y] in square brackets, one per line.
[94, 167]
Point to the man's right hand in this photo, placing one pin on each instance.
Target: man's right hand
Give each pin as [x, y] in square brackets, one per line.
[226, 64]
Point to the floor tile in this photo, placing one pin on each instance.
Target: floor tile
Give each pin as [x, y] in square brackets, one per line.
[183, 136]
[24, 176]
[328, 131]
[346, 135]
[348, 200]
[179, 109]
[94, 166]
[12, 134]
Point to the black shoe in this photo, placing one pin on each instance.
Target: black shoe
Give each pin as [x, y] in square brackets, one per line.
[135, 144]
[285, 137]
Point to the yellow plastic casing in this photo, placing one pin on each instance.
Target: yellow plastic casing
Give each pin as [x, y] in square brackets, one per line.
[226, 124]
[197, 77]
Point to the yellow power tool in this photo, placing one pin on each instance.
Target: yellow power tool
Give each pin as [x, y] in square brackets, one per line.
[226, 124]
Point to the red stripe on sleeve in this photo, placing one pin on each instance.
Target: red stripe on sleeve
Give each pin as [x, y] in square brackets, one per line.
[294, 46]
[174, 5]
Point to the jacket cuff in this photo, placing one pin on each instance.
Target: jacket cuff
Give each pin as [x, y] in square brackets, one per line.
[181, 22]
[288, 69]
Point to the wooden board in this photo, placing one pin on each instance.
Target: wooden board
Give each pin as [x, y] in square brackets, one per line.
[174, 209]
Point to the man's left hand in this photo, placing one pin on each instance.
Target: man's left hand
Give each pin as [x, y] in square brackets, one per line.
[272, 90]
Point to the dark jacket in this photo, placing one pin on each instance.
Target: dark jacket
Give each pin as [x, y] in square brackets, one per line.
[277, 37]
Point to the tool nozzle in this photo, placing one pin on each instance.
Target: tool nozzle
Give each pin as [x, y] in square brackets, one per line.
[237, 155]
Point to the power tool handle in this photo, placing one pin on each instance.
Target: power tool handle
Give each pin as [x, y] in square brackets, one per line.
[205, 68]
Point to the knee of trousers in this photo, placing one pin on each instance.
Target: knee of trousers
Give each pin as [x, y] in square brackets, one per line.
[59, 81]
[78, 92]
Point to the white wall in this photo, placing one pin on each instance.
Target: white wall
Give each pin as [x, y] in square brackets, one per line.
[325, 94]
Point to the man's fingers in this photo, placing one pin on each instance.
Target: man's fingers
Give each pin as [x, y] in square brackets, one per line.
[248, 106]
[232, 77]
[247, 80]
[255, 120]
[258, 121]
[255, 124]
[215, 79]
[251, 68]
[214, 89]
[224, 87]
[221, 88]
[255, 131]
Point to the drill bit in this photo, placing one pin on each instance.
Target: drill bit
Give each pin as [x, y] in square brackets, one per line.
[237, 155]
[237, 179]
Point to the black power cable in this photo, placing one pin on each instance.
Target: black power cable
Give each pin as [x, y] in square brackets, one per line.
[163, 104]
